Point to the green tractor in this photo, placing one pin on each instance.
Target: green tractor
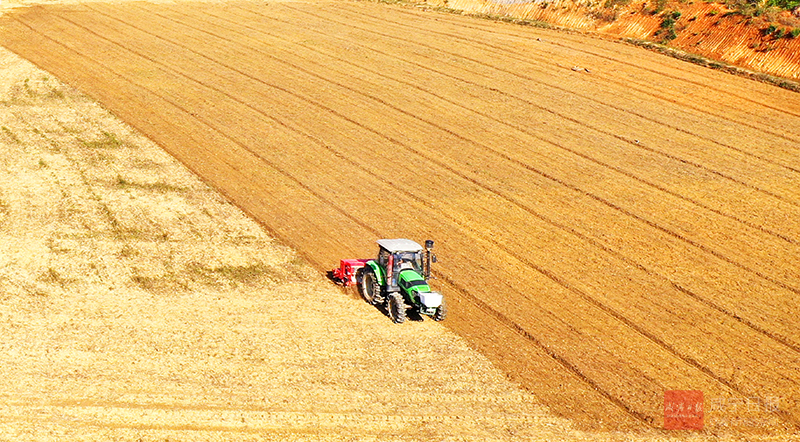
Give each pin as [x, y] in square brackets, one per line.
[398, 280]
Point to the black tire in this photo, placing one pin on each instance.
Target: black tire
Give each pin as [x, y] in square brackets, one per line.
[397, 308]
[441, 312]
[369, 287]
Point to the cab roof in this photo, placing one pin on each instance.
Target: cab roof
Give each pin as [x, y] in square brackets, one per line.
[399, 245]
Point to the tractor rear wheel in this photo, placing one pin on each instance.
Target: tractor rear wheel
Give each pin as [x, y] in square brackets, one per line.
[441, 312]
[397, 308]
[370, 288]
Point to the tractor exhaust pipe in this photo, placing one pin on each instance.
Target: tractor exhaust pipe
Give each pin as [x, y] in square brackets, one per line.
[428, 257]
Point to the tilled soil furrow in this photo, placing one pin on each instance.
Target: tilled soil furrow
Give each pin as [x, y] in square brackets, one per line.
[730, 306]
[603, 368]
[305, 153]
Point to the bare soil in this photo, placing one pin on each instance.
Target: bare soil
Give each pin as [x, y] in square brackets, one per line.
[611, 223]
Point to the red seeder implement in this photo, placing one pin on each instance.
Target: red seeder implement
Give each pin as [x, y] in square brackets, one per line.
[345, 274]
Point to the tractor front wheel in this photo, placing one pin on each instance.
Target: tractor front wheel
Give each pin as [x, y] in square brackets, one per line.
[397, 308]
[441, 312]
[370, 288]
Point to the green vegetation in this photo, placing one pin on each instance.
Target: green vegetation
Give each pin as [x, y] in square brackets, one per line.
[156, 187]
[660, 4]
[777, 32]
[235, 274]
[757, 8]
[667, 31]
[28, 89]
[11, 135]
[107, 141]
[748, 8]
[56, 93]
[783, 4]
[51, 276]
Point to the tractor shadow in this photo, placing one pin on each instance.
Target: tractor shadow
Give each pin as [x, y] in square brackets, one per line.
[353, 292]
[411, 314]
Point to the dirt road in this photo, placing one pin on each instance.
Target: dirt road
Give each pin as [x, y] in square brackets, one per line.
[611, 223]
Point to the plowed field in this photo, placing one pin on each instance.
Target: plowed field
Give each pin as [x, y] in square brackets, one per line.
[610, 223]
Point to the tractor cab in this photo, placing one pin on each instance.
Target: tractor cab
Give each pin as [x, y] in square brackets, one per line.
[399, 255]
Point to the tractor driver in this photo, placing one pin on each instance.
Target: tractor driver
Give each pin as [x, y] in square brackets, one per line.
[405, 264]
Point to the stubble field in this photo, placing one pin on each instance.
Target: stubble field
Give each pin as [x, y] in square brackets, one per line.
[611, 223]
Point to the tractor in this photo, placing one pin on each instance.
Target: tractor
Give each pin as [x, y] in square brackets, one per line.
[396, 280]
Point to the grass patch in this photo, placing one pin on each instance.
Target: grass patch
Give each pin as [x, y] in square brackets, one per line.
[235, 274]
[4, 210]
[667, 32]
[787, 5]
[51, 276]
[159, 186]
[11, 135]
[107, 141]
[36, 90]
[26, 85]
[127, 252]
[148, 283]
[56, 94]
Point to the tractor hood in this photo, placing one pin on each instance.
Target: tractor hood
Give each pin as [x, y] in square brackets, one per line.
[411, 280]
